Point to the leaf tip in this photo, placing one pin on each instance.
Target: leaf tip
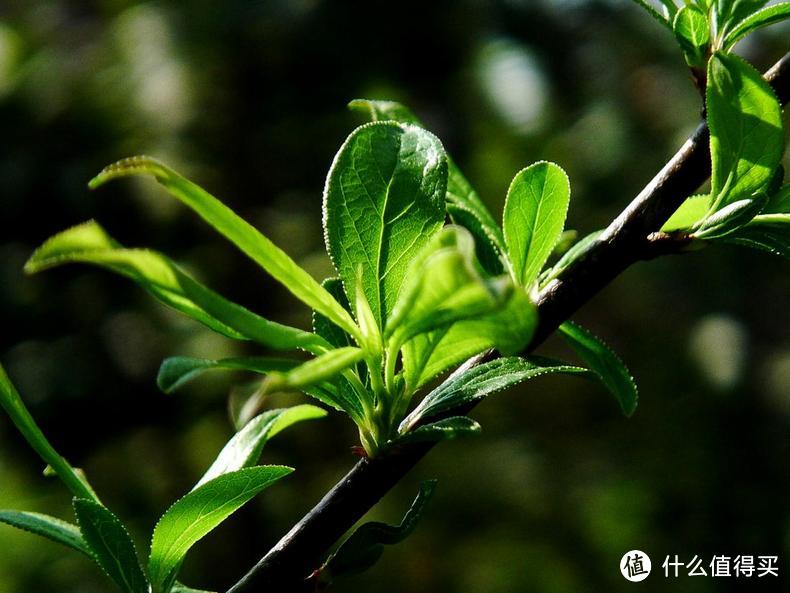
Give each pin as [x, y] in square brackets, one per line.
[130, 166]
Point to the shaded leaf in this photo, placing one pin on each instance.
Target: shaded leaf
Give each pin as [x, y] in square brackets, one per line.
[384, 198]
[769, 233]
[605, 363]
[241, 233]
[111, 545]
[366, 545]
[470, 385]
[179, 370]
[534, 217]
[442, 430]
[49, 527]
[199, 512]
[571, 256]
[12, 403]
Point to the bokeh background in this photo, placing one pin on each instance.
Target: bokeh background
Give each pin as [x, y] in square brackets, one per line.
[248, 98]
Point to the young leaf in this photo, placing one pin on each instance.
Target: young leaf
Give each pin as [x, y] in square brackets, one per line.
[366, 545]
[324, 327]
[89, 243]
[730, 217]
[111, 545]
[180, 588]
[746, 137]
[443, 286]
[571, 256]
[474, 384]
[463, 205]
[605, 363]
[693, 34]
[199, 512]
[20, 416]
[241, 233]
[690, 212]
[384, 198]
[442, 430]
[244, 449]
[769, 233]
[762, 18]
[660, 18]
[179, 370]
[316, 370]
[508, 329]
[50, 527]
[731, 12]
[535, 210]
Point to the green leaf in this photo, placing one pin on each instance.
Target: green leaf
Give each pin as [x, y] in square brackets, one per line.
[693, 34]
[508, 330]
[471, 385]
[111, 544]
[324, 327]
[762, 18]
[50, 527]
[770, 232]
[446, 429]
[242, 234]
[89, 243]
[731, 12]
[746, 136]
[464, 205]
[690, 212]
[176, 371]
[20, 416]
[534, 216]
[730, 217]
[443, 286]
[605, 363]
[196, 514]
[654, 13]
[315, 371]
[244, 449]
[366, 545]
[571, 256]
[779, 203]
[179, 588]
[384, 198]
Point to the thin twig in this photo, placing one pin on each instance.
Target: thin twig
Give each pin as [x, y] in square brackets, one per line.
[633, 236]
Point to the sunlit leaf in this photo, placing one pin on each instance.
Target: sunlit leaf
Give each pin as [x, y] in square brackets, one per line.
[198, 513]
[730, 217]
[244, 449]
[241, 233]
[463, 205]
[746, 136]
[690, 212]
[316, 370]
[762, 18]
[534, 217]
[89, 243]
[384, 198]
[49, 527]
[571, 256]
[605, 363]
[693, 34]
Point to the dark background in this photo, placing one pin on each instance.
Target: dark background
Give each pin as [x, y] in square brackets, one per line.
[248, 98]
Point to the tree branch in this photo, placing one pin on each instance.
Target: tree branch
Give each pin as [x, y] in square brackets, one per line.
[633, 236]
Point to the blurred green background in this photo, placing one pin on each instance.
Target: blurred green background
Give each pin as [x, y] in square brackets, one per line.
[248, 98]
